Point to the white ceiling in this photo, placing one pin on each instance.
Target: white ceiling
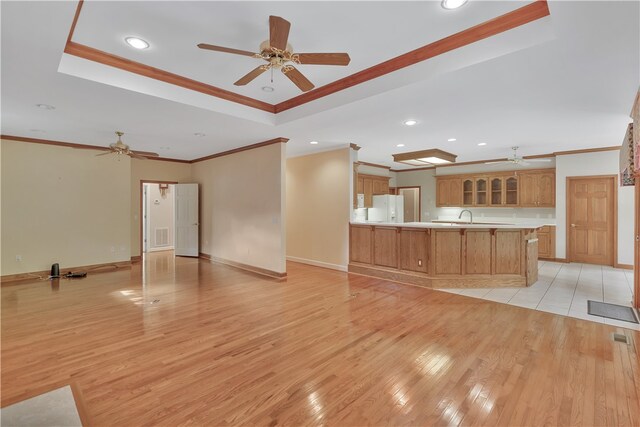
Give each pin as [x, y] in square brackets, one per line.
[570, 91]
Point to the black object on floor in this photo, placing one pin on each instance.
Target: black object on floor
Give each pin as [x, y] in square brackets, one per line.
[611, 311]
[71, 275]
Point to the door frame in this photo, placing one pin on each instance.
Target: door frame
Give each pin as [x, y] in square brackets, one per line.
[419, 198]
[141, 219]
[614, 181]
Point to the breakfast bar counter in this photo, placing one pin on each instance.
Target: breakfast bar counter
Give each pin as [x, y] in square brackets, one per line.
[445, 255]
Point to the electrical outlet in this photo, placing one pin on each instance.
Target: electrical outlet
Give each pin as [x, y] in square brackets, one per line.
[19, 258]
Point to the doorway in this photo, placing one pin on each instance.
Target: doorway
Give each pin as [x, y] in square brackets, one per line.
[412, 203]
[592, 219]
[158, 217]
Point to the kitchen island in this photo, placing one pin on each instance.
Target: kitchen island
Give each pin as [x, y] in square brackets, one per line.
[445, 255]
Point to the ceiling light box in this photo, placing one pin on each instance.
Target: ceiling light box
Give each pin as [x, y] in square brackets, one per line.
[432, 157]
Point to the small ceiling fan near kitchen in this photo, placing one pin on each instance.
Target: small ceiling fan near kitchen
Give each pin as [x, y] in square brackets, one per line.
[279, 55]
[120, 147]
[518, 160]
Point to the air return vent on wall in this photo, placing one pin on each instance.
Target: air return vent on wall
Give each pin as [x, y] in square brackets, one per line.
[162, 236]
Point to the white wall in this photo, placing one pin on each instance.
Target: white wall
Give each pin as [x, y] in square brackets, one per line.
[600, 163]
[242, 209]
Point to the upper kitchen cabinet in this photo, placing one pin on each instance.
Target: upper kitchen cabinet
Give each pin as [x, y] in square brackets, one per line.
[372, 185]
[537, 189]
[533, 188]
[448, 192]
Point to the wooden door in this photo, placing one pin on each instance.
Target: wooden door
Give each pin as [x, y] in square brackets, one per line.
[591, 219]
[448, 192]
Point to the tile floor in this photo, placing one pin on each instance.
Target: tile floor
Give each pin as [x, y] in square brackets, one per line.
[564, 289]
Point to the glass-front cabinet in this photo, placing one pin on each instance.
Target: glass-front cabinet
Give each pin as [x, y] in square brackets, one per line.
[481, 192]
[511, 191]
[467, 192]
[496, 191]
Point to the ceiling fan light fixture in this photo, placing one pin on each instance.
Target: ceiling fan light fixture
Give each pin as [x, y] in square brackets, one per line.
[453, 4]
[136, 42]
[267, 89]
[430, 157]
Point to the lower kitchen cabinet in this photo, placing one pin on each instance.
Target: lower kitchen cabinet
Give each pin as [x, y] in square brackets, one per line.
[547, 242]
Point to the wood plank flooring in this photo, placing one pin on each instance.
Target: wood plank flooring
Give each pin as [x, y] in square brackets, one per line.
[225, 347]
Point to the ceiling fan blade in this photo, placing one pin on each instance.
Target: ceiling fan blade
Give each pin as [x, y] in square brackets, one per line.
[225, 49]
[250, 76]
[105, 153]
[498, 162]
[297, 78]
[278, 32]
[145, 153]
[324, 58]
[538, 160]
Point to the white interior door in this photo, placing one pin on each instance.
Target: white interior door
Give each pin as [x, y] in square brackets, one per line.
[187, 224]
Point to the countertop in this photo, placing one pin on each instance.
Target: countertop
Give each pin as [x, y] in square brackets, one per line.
[451, 225]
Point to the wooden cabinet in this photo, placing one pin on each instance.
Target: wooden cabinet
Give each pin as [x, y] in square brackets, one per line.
[547, 242]
[530, 189]
[448, 192]
[537, 189]
[372, 185]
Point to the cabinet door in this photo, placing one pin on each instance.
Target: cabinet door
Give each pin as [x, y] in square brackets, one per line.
[368, 192]
[385, 187]
[360, 186]
[481, 193]
[546, 189]
[511, 191]
[448, 192]
[528, 192]
[544, 245]
[455, 192]
[497, 187]
[467, 192]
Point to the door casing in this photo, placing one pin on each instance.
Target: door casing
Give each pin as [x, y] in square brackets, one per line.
[614, 239]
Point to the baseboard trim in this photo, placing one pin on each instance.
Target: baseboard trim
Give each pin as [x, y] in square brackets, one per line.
[161, 249]
[318, 263]
[624, 266]
[31, 275]
[247, 267]
[136, 259]
[204, 256]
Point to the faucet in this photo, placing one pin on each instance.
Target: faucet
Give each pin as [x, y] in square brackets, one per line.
[470, 215]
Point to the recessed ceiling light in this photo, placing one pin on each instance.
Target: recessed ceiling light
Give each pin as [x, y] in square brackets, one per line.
[400, 145]
[136, 42]
[453, 4]
[451, 140]
[313, 142]
[482, 144]
[410, 122]
[200, 134]
[267, 89]
[46, 106]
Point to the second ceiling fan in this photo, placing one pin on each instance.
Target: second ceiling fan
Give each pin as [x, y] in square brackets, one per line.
[279, 55]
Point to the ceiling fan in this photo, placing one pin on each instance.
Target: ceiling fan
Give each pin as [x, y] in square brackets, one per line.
[518, 160]
[279, 54]
[120, 147]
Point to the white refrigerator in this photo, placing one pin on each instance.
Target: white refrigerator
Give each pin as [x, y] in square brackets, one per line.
[387, 208]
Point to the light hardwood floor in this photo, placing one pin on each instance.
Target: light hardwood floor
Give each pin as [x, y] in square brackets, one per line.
[224, 347]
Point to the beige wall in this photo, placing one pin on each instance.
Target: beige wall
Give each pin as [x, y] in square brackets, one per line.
[152, 170]
[62, 205]
[318, 206]
[242, 207]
